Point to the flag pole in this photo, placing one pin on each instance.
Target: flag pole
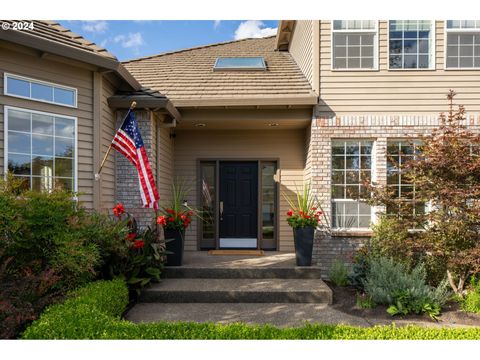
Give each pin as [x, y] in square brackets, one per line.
[97, 175]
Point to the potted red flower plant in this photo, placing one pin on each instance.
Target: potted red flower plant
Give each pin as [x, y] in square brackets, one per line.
[175, 219]
[304, 217]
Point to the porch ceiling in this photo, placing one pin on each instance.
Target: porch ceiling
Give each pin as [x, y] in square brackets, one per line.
[245, 119]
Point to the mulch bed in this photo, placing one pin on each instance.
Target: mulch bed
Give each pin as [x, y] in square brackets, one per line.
[345, 298]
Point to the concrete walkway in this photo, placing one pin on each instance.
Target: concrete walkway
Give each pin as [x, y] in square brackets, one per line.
[278, 314]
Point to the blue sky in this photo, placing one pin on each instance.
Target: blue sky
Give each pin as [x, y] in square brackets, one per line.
[131, 39]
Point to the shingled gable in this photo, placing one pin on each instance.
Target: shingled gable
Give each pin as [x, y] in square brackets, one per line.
[49, 37]
[187, 77]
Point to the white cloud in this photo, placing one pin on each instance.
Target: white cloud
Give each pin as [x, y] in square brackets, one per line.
[131, 41]
[216, 23]
[95, 26]
[253, 29]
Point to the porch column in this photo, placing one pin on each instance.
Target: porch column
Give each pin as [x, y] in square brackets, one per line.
[126, 181]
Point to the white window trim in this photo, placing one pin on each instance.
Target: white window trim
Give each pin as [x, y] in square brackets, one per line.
[376, 46]
[458, 31]
[432, 50]
[75, 159]
[373, 175]
[41, 82]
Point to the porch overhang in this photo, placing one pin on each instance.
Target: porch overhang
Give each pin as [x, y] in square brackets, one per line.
[145, 99]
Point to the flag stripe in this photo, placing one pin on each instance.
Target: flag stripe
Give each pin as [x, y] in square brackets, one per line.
[127, 153]
[127, 142]
[142, 176]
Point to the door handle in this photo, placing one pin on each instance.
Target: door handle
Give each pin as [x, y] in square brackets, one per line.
[221, 210]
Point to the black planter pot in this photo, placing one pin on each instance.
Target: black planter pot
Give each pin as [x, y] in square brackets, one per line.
[303, 245]
[174, 246]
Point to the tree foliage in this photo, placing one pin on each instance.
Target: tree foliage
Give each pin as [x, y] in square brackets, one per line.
[446, 174]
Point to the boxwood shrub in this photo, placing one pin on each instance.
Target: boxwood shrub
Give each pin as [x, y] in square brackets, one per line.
[94, 313]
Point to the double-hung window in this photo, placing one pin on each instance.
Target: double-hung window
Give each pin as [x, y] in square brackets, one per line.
[411, 44]
[463, 44]
[352, 162]
[399, 153]
[354, 45]
[41, 149]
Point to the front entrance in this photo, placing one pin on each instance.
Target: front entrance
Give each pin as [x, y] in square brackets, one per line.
[238, 204]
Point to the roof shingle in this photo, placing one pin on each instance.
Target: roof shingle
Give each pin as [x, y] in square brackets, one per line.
[53, 31]
[188, 74]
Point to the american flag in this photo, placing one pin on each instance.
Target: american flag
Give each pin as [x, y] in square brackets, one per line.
[129, 143]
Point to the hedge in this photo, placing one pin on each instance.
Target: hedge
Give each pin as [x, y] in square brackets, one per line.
[94, 313]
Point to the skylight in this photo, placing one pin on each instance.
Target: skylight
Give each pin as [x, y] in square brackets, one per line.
[240, 63]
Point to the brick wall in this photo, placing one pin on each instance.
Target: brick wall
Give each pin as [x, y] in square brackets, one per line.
[126, 180]
[328, 247]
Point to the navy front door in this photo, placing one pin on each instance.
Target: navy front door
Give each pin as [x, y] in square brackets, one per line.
[238, 204]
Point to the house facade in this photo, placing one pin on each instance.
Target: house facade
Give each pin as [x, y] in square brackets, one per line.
[241, 122]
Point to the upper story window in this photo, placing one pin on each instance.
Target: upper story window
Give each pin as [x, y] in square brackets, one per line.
[352, 164]
[40, 148]
[240, 63]
[411, 44]
[354, 45]
[37, 90]
[463, 44]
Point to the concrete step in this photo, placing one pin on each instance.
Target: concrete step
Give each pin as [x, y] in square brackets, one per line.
[291, 272]
[238, 290]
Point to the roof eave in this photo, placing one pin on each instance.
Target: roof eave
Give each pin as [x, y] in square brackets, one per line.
[47, 46]
[144, 102]
[284, 34]
[307, 100]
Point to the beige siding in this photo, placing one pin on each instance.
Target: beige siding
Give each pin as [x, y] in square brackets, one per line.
[308, 155]
[22, 63]
[107, 131]
[165, 164]
[395, 91]
[288, 146]
[301, 47]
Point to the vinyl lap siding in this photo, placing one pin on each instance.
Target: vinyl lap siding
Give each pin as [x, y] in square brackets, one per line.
[301, 47]
[22, 63]
[165, 163]
[395, 91]
[107, 129]
[286, 145]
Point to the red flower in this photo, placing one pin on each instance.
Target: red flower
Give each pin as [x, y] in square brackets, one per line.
[313, 208]
[183, 217]
[131, 236]
[138, 244]
[118, 210]
[290, 213]
[307, 217]
[319, 213]
[190, 213]
[185, 224]
[170, 211]
[161, 220]
[171, 219]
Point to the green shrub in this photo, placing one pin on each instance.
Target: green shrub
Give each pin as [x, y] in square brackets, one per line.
[361, 264]
[338, 273]
[365, 302]
[389, 283]
[87, 311]
[471, 303]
